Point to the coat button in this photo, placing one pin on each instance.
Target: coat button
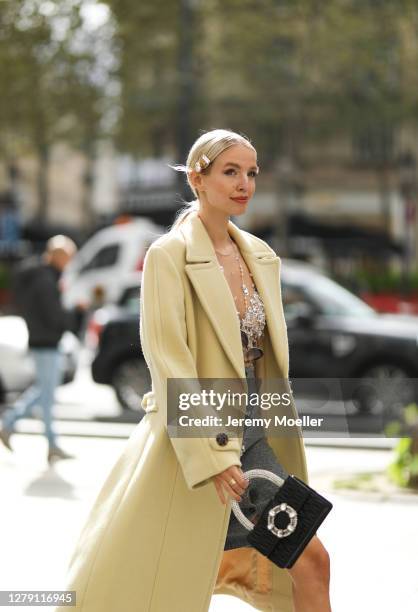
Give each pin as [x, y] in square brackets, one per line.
[222, 439]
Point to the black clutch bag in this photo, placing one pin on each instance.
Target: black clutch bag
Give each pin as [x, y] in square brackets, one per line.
[288, 521]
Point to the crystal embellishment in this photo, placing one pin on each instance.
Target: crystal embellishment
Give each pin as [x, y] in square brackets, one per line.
[291, 513]
[254, 320]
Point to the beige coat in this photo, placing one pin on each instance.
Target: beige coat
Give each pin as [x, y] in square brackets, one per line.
[154, 539]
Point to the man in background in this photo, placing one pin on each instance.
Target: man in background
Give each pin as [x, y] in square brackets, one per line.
[37, 297]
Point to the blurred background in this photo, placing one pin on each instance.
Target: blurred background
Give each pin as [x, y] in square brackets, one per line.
[97, 98]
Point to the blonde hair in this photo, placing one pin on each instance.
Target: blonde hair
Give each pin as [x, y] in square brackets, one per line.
[201, 155]
[61, 243]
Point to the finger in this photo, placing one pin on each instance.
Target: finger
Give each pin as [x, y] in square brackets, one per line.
[238, 475]
[219, 492]
[240, 484]
[231, 492]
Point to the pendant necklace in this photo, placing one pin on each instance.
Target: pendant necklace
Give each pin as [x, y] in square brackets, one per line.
[244, 287]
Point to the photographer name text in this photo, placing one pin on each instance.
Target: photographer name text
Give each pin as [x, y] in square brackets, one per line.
[277, 421]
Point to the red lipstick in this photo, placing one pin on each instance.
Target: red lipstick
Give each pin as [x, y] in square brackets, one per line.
[242, 200]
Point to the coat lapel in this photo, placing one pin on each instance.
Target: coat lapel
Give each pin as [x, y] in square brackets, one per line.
[264, 265]
[215, 295]
[212, 289]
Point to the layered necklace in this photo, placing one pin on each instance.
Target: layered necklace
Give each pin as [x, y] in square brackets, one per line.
[237, 258]
[253, 322]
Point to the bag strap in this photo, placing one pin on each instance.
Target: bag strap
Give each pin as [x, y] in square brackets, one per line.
[256, 473]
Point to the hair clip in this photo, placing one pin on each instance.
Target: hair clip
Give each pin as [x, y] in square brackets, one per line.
[203, 163]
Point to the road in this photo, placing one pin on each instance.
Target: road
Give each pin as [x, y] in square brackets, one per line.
[372, 541]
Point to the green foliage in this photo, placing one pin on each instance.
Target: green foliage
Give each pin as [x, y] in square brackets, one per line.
[387, 281]
[5, 276]
[404, 468]
[48, 92]
[286, 73]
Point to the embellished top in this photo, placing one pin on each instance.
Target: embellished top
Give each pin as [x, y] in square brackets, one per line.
[252, 326]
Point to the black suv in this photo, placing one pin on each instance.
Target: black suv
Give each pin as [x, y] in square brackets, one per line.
[332, 334]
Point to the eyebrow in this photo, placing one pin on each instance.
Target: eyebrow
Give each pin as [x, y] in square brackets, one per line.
[239, 167]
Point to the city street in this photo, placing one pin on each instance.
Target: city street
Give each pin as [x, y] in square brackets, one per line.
[197, 187]
[371, 540]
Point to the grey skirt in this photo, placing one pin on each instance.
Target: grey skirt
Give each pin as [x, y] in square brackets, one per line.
[257, 454]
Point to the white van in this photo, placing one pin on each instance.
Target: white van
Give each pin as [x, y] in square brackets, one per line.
[108, 263]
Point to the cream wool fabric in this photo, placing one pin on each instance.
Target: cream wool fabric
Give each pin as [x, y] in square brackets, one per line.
[153, 541]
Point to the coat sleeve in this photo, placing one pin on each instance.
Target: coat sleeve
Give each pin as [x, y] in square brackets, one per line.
[163, 336]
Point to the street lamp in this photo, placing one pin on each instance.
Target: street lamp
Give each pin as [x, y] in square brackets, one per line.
[290, 189]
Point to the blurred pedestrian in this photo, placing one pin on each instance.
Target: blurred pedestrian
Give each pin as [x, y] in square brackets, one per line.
[37, 297]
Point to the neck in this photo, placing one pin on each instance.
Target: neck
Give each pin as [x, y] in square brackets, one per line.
[216, 224]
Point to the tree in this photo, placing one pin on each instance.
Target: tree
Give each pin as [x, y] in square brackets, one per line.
[48, 93]
[159, 73]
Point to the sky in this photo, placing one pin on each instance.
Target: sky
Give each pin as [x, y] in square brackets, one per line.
[95, 14]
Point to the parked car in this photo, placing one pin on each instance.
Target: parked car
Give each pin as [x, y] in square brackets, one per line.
[119, 362]
[332, 334]
[335, 335]
[109, 262]
[17, 370]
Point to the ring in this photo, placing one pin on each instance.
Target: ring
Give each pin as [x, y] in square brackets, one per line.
[232, 481]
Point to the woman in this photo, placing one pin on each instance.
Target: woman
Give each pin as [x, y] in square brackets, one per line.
[161, 537]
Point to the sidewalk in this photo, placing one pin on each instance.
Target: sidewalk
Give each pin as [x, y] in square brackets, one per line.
[372, 541]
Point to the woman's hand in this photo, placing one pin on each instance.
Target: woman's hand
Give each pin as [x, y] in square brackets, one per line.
[225, 485]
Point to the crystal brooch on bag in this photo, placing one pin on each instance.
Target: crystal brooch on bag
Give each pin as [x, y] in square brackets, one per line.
[290, 528]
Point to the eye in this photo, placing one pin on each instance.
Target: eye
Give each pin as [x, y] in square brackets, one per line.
[232, 171]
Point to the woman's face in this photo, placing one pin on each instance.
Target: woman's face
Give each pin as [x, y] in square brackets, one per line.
[230, 183]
